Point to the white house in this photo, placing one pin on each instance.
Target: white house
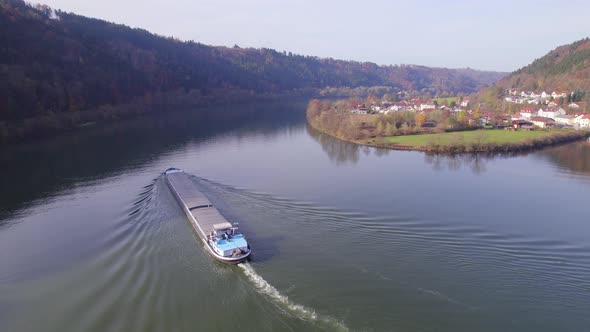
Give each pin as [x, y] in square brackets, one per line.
[527, 113]
[573, 105]
[565, 120]
[542, 122]
[535, 101]
[559, 94]
[427, 106]
[551, 112]
[585, 121]
[544, 95]
[359, 111]
[465, 103]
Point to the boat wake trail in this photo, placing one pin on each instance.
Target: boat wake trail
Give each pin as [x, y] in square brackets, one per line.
[289, 307]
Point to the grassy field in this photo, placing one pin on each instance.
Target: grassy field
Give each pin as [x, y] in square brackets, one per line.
[468, 137]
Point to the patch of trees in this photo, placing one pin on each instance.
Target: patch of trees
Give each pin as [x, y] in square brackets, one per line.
[335, 118]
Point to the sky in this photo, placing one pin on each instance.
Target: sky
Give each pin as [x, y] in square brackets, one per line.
[496, 35]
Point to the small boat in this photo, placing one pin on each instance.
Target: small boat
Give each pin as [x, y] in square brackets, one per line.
[222, 239]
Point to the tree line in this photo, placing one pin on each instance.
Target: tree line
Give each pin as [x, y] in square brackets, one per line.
[335, 118]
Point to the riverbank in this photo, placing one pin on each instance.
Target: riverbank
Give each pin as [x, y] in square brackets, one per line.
[483, 140]
[364, 130]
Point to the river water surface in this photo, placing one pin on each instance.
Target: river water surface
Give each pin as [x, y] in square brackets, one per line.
[344, 237]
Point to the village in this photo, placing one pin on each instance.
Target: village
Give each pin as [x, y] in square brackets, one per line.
[549, 111]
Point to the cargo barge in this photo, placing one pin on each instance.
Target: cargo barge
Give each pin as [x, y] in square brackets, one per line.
[222, 239]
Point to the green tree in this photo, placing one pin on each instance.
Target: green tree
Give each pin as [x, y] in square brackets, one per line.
[379, 129]
[462, 117]
[390, 129]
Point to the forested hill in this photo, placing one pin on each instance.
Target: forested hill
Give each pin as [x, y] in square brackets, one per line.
[566, 68]
[56, 62]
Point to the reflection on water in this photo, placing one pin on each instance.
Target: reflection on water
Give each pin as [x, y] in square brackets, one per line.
[573, 158]
[342, 152]
[455, 162]
[104, 151]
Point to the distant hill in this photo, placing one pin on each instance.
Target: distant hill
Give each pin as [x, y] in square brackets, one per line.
[565, 69]
[54, 62]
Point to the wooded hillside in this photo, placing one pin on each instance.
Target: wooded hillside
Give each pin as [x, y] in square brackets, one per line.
[53, 62]
[566, 68]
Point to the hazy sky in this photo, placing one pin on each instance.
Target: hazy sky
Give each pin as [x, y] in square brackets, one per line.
[493, 35]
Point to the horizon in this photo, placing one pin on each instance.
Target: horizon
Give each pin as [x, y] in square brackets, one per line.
[250, 26]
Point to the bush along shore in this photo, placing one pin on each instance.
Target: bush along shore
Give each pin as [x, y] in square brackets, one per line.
[398, 132]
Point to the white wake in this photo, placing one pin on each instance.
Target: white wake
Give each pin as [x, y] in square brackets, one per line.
[283, 301]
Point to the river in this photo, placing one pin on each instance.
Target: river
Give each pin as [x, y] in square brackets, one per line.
[344, 237]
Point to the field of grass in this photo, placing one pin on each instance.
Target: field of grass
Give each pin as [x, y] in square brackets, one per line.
[469, 137]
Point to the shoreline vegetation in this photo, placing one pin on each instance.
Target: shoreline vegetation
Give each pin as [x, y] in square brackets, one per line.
[403, 131]
[40, 127]
[52, 124]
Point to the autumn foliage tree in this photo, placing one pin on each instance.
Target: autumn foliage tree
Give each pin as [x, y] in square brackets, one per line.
[420, 119]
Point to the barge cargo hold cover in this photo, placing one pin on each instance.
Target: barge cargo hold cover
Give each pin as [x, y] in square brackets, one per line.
[222, 239]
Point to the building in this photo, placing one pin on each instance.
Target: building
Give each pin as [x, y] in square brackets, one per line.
[527, 113]
[360, 110]
[551, 112]
[513, 92]
[559, 94]
[565, 120]
[585, 121]
[542, 122]
[427, 106]
[522, 124]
